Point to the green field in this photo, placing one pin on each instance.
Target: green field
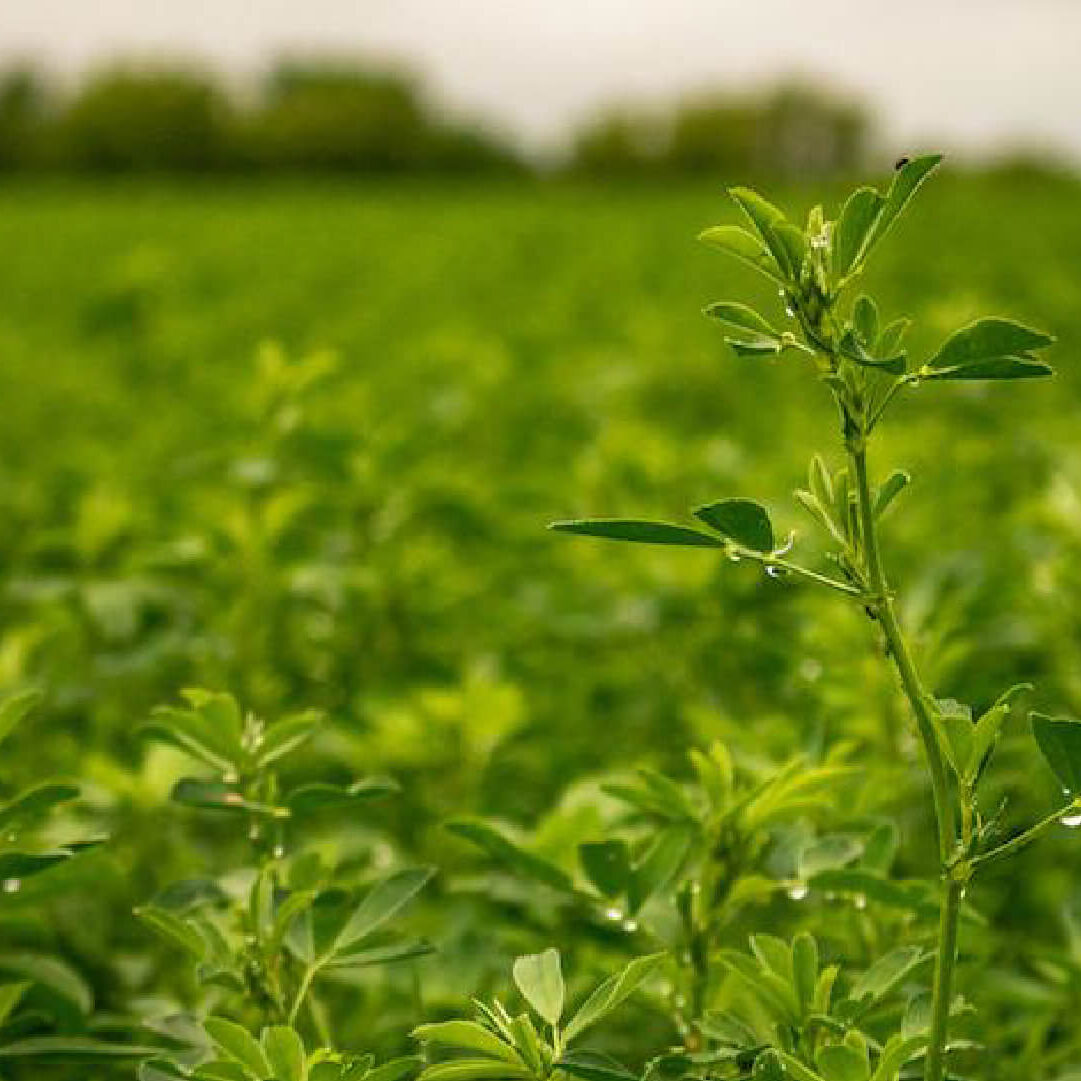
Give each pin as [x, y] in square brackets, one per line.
[301, 441]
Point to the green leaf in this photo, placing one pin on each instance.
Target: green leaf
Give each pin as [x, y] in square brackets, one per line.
[841, 1063]
[10, 994]
[36, 802]
[469, 1036]
[284, 1052]
[540, 981]
[219, 796]
[853, 349]
[990, 349]
[891, 488]
[287, 735]
[80, 1047]
[743, 521]
[612, 993]
[891, 338]
[905, 184]
[594, 1066]
[768, 221]
[999, 368]
[161, 1069]
[852, 229]
[865, 321]
[661, 863]
[887, 974]
[394, 1070]
[238, 1045]
[794, 1070]
[13, 708]
[173, 929]
[219, 1070]
[805, 969]
[640, 532]
[760, 347]
[501, 848]
[740, 244]
[957, 732]
[742, 318]
[528, 1045]
[984, 739]
[50, 972]
[474, 1069]
[1059, 740]
[312, 798]
[607, 864]
[381, 955]
[382, 902]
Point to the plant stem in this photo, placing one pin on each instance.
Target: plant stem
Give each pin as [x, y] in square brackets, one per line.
[883, 607]
[918, 698]
[944, 965]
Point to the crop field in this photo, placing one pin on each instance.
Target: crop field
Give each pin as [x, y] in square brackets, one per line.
[300, 442]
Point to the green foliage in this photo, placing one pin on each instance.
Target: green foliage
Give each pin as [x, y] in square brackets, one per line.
[358, 535]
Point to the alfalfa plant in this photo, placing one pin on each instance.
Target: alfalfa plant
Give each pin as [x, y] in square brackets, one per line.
[266, 939]
[862, 361]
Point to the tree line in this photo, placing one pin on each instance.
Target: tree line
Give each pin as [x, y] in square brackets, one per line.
[347, 118]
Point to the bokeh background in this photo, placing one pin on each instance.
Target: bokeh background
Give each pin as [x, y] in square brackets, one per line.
[312, 316]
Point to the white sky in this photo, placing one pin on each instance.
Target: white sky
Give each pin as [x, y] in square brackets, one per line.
[968, 73]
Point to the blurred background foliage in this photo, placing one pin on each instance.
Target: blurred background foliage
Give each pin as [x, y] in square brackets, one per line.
[351, 517]
[299, 439]
[327, 115]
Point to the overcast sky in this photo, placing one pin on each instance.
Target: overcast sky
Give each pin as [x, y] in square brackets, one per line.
[969, 73]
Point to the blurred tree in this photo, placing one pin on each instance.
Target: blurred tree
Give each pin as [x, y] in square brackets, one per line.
[144, 120]
[22, 108]
[796, 130]
[618, 141]
[347, 118]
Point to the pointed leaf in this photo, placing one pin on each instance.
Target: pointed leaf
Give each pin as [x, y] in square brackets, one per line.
[852, 229]
[742, 318]
[594, 1066]
[610, 994]
[607, 865]
[469, 1036]
[998, 368]
[743, 246]
[1059, 740]
[640, 532]
[990, 345]
[500, 847]
[891, 487]
[238, 1044]
[381, 903]
[906, 182]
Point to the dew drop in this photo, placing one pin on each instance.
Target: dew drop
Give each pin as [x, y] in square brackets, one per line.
[229, 777]
[860, 901]
[279, 851]
[630, 926]
[789, 311]
[613, 914]
[798, 892]
[12, 885]
[1071, 821]
[774, 571]
[735, 557]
